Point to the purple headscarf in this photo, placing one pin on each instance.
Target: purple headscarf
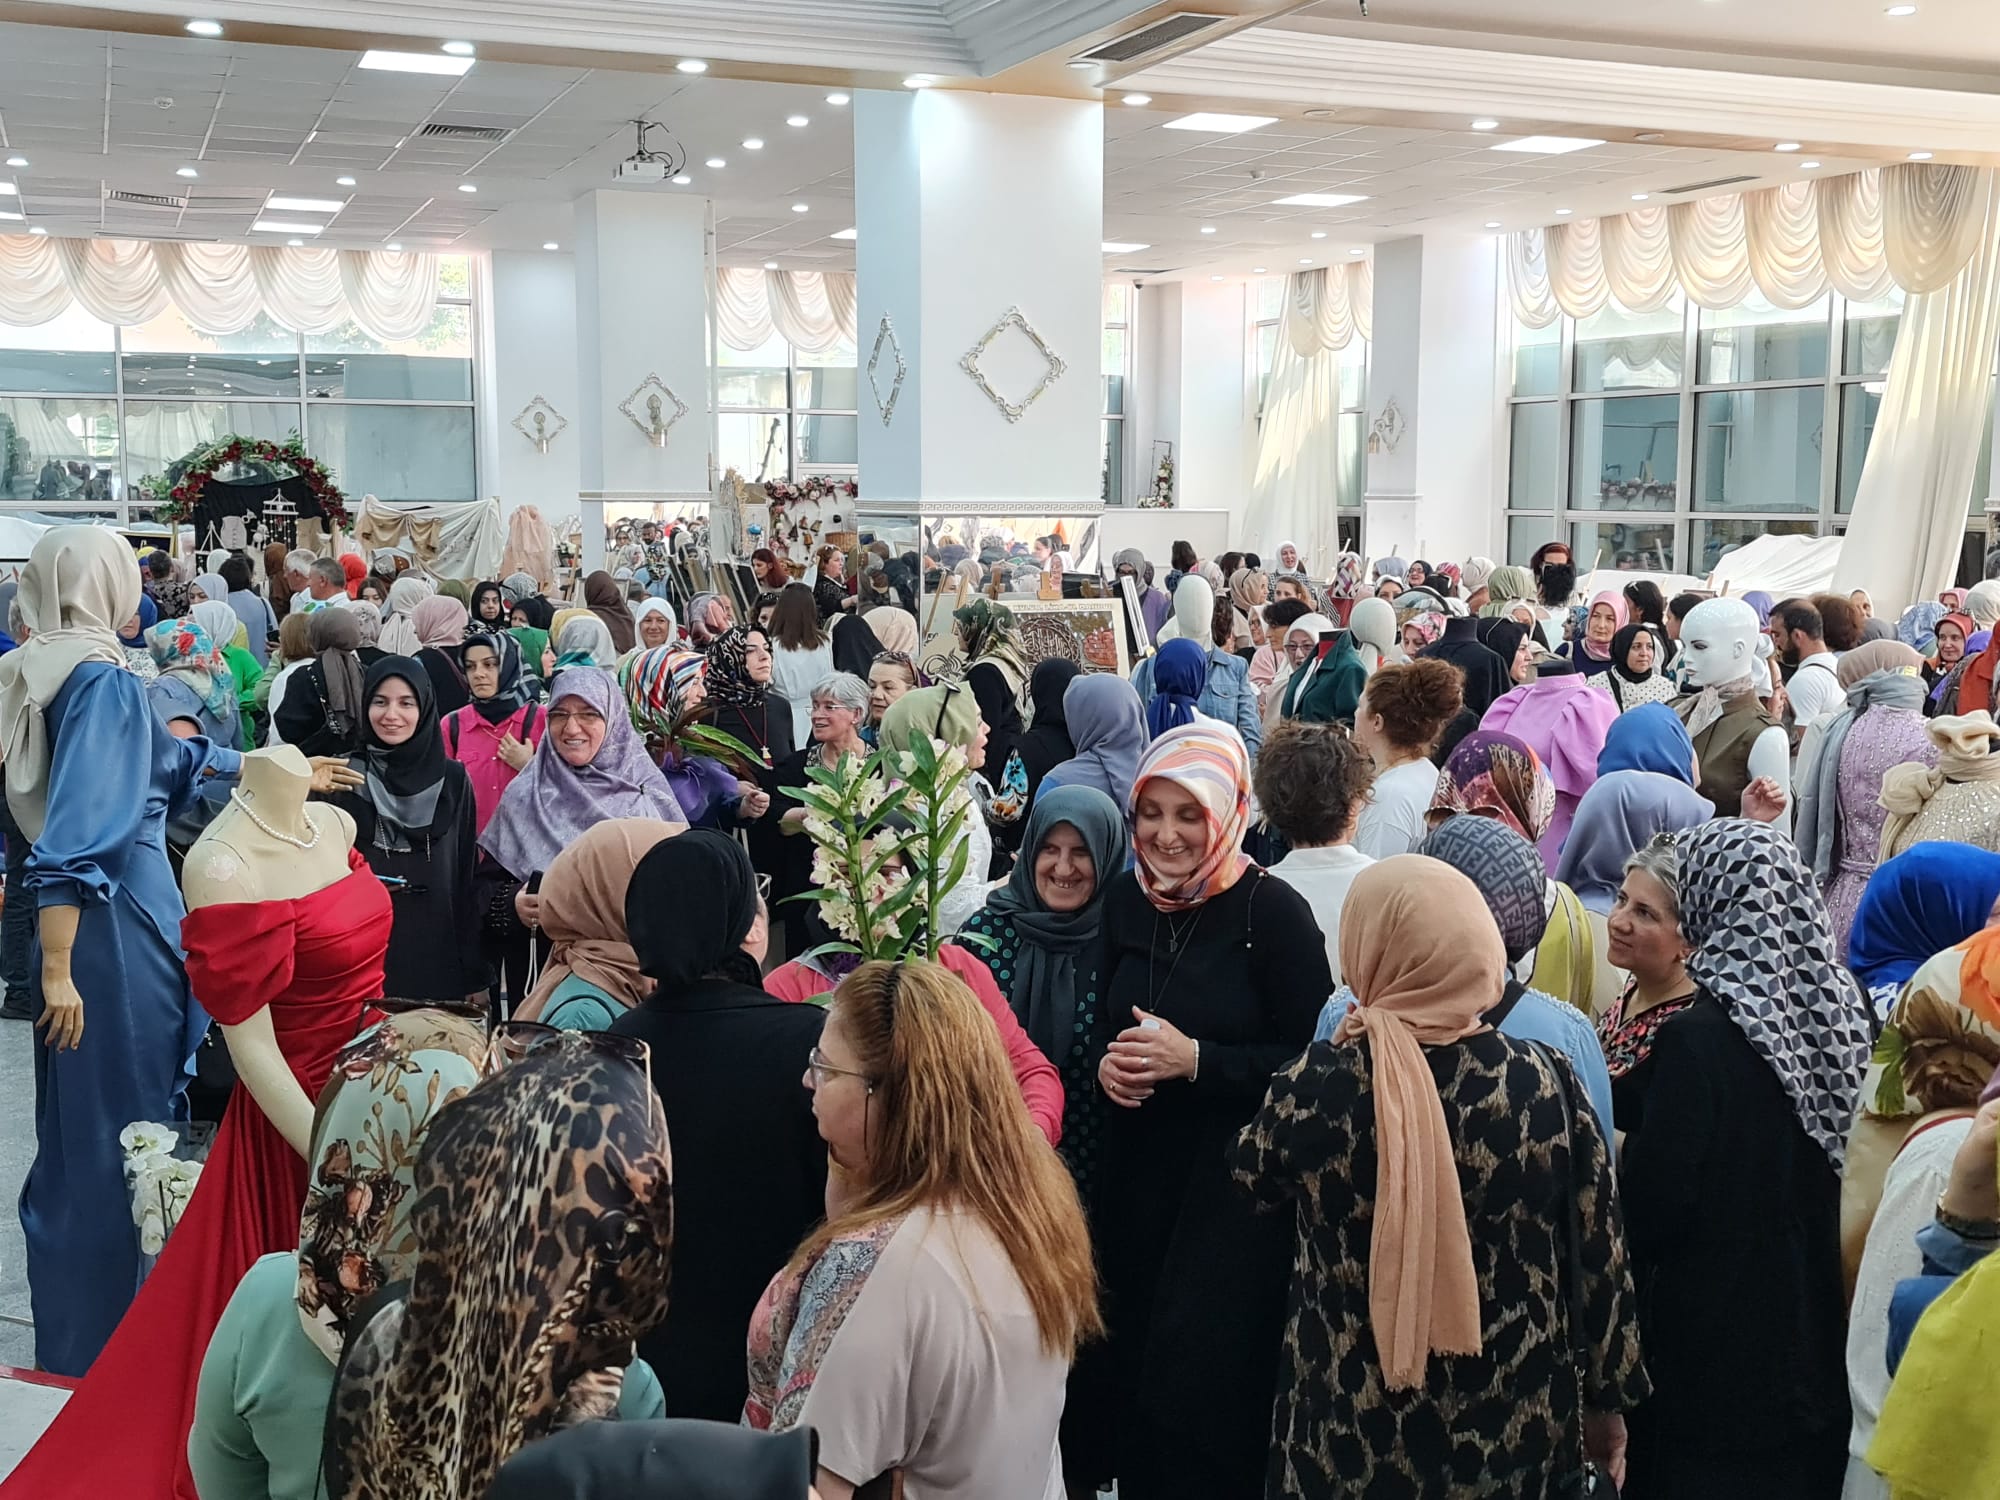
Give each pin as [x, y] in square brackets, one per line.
[546, 807]
[1108, 728]
[1564, 721]
[1763, 603]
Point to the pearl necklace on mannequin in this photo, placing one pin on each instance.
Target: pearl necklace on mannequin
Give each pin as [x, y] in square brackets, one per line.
[285, 838]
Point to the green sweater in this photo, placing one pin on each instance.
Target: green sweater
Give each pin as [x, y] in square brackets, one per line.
[260, 1409]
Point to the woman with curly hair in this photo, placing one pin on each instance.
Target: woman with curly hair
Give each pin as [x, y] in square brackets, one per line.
[1403, 710]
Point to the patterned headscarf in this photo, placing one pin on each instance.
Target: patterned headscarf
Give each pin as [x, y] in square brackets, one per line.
[1207, 761]
[990, 636]
[542, 1219]
[729, 671]
[181, 648]
[1506, 867]
[1764, 950]
[1917, 627]
[1494, 775]
[386, 1087]
[1429, 624]
[1942, 1042]
[657, 683]
[1348, 573]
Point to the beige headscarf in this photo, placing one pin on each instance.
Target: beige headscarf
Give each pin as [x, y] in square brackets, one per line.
[1964, 754]
[895, 628]
[1424, 962]
[80, 587]
[583, 913]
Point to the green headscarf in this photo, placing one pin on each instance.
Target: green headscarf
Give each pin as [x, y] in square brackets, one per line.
[946, 712]
[1506, 587]
[459, 589]
[991, 636]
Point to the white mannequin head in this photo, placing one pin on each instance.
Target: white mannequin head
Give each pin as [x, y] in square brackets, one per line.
[1718, 642]
[1374, 623]
[1194, 609]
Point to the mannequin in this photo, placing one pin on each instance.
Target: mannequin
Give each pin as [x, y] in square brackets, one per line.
[269, 844]
[1736, 740]
[1373, 623]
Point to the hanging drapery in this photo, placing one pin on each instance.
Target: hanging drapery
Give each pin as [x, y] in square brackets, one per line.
[811, 310]
[1329, 308]
[1913, 226]
[1909, 517]
[1295, 486]
[219, 289]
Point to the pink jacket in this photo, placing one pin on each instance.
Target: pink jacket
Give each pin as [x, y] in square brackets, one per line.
[475, 744]
[1041, 1085]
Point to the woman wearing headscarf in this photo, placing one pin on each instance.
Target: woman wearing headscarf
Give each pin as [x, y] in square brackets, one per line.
[1226, 695]
[194, 693]
[1046, 742]
[1345, 586]
[1154, 603]
[1842, 765]
[260, 1408]
[726, 1060]
[399, 634]
[1328, 676]
[580, 640]
[1249, 590]
[996, 670]
[1510, 592]
[259, 623]
[440, 623]
[413, 822]
[1564, 720]
[1651, 738]
[368, 627]
[1637, 662]
[896, 629]
[947, 715]
[322, 708]
[1214, 975]
[653, 619]
[1949, 635]
[487, 608]
[494, 735]
[1453, 1353]
[528, 621]
[1108, 727]
[1590, 653]
[603, 597]
[1930, 897]
[219, 620]
[1730, 1177]
[132, 639]
[592, 975]
[666, 696]
[542, 1218]
[1958, 799]
[1180, 672]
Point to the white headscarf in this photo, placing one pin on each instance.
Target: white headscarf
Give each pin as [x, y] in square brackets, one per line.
[642, 607]
[407, 592]
[80, 587]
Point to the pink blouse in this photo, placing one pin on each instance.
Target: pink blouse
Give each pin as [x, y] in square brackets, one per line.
[475, 744]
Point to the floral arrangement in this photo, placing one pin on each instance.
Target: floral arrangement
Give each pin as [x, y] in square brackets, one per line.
[174, 495]
[879, 908]
[814, 487]
[161, 1183]
[1162, 497]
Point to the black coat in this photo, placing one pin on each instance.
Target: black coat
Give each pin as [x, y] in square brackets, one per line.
[749, 1174]
[1484, 673]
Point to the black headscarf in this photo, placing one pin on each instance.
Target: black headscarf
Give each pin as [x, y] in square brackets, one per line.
[478, 626]
[855, 646]
[684, 1459]
[404, 781]
[1046, 743]
[691, 903]
[1503, 638]
[512, 691]
[1621, 646]
[541, 614]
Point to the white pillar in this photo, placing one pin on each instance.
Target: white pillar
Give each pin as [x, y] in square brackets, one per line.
[967, 207]
[641, 319]
[534, 344]
[1438, 494]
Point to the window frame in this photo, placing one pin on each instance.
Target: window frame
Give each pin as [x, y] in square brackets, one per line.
[795, 467]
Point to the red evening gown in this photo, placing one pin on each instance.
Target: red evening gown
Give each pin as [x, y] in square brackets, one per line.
[317, 963]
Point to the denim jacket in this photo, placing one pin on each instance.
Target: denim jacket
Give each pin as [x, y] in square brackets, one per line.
[1227, 695]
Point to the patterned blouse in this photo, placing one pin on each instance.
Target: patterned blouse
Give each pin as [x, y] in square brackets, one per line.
[1626, 1043]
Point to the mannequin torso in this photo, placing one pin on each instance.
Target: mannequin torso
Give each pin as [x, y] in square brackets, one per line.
[1719, 656]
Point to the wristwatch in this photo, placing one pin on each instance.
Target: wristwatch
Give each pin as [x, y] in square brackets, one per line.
[1970, 1229]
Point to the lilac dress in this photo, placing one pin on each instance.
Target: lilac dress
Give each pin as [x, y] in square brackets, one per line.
[1880, 739]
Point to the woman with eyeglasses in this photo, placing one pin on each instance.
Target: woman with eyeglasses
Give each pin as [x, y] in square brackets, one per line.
[927, 1327]
[949, 716]
[749, 1168]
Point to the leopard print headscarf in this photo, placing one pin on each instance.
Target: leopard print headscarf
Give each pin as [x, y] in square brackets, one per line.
[543, 1217]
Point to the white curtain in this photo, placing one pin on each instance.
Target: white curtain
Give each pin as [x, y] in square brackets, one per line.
[1910, 511]
[218, 288]
[1329, 308]
[1912, 225]
[813, 310]
[1295, 487]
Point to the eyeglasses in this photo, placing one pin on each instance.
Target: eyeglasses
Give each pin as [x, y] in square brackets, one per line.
[1299, 651]
[515, 1041]
[822, 1070]
[587, 717]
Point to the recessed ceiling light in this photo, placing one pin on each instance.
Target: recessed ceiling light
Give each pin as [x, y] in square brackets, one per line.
[1082, 65]
[8, 213]
[683, 180]
[837, 98]
[306, 205]
[1215, 278]
[205, 28]
[797, 122]
[8, 189]
[186, 172]
[1548, 145]
[1256, 270]
[1208, 229]
[1215, 124]
[1640, 197]
[1485, 124]
[1137, 99]
[843, 234]
[1305, 262]
[754, 143]
[1319, 200]
[343, 182]
[799, 208]
[383, 61]
[1358, 250]
[468, 187]
[691, 65]
[17, 161]
[1808, 166]
[1492, 223]
[1914, 156]
[918, 81]
[394, 245]
[284, 226]
[770, 265]
[1900, 10]
[715, 163]
[1564, 213]
[295, 243]
[458, 49]
[1319, 234]
[37, 229]
[1649, 136]
[1123, 247]
[550, 245]
[1786, 146]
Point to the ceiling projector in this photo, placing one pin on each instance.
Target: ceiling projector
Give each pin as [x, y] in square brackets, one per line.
[647, 163]
[640, 169]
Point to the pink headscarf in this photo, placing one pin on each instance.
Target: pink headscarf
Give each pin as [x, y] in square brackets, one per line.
[1620, 612]
[1563, 720]
[439, 621]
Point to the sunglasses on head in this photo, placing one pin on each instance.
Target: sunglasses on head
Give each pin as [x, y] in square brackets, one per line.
[513, 1042]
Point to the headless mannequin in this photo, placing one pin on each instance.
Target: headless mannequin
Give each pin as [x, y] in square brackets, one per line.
[1373, 626]
[1719, 650]
[237, 861]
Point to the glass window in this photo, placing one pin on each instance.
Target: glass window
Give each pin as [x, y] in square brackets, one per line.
[159, 433]
[69, 353]
[58, 448]
[1354, 375]
[1267, 350]
[1537, 359]
[829, 388]
[1859, 405]
[766, 388]
[1625, 453]
[170, 357]
[1270, 298]
[1525, 534]
[1758, 450]
[1117, 302]
[1114, 371]
[754, 444]
[826, 440]
[1534, 460]
[434, 366]
[1756, 341]
[1618, 350]
[1113, 490]
[1869, 337]
[1713, 538]
[1635, 546]
[396, 452]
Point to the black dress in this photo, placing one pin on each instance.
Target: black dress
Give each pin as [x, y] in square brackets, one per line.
[1484, 673]
[1000, 707]
[1194, 1277]
[1733, 1215]
[302, 717]
[749, 1174]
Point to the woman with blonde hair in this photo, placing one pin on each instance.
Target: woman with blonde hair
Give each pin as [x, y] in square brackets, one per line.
[928, 1326]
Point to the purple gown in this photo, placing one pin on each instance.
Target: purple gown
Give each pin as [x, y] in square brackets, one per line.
[1880, 739]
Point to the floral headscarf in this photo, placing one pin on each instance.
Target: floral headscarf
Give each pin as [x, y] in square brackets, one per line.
[729, 680]
[1942, 1042]
[181, 648]
[1206, 760]
[1428, 622]
[1495, 775]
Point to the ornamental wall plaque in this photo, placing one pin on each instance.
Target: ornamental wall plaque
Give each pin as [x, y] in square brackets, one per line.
[885, 338]
[540, 423]
[646, 409]
[970, 364]
[1389, 428]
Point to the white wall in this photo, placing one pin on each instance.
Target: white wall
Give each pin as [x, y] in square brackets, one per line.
[534, 351]
[1460, 487]
[1192, 384]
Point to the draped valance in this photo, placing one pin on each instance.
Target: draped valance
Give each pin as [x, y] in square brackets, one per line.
[812, 310]
[219, 289]
[1913, 226]
[1329, 307]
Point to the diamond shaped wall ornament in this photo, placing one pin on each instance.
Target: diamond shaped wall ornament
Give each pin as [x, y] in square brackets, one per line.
[886, 341]
[970, 364]
[1390, 428]
[540, 423]
[646, 408]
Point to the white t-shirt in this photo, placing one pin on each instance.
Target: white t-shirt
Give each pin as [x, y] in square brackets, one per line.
[1393, 821]
[1322, 876]
[1815, 689]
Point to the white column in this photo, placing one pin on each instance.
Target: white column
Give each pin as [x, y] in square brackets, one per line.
[534, 344]
[968, 206]
[641, 311]
[1439, 493]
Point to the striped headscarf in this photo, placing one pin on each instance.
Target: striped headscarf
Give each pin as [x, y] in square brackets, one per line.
[1208, 762]
[657, 683]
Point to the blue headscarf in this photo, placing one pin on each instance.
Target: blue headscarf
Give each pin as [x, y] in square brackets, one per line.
[149, 616]
[1917, 628]
[1931, 897]
[1617, 817]
[1648, 738]
[1180, 672]
[1763, 603]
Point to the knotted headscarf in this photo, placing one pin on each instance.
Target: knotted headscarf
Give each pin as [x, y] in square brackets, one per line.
[1208, 762]
[1965, 753]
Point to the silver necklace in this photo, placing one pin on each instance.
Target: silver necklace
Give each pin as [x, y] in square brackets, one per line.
[285, 838]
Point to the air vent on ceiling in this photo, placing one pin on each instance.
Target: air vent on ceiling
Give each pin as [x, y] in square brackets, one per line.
[1143, 270]
[1703, 187]
[437, 132]
[1162, 33]
[144, 200]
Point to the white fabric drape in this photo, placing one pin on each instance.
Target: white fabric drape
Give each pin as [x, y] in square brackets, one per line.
[813, 310]
[1909, 516]
[1328, 308]
[1295, 487]
[1913, 225]
[218, 288]
[470, 536]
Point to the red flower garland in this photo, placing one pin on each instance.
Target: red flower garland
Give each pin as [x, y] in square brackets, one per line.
[179, 503]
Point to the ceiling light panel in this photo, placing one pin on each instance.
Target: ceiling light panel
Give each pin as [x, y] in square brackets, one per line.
[284, 226]
[1319, 200]
[378, 60]
[306, 205]
[1216, 124]
[1123, 247]
[1547, 145]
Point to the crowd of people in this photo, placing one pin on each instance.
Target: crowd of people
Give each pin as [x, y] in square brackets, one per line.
[1426, 1033]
